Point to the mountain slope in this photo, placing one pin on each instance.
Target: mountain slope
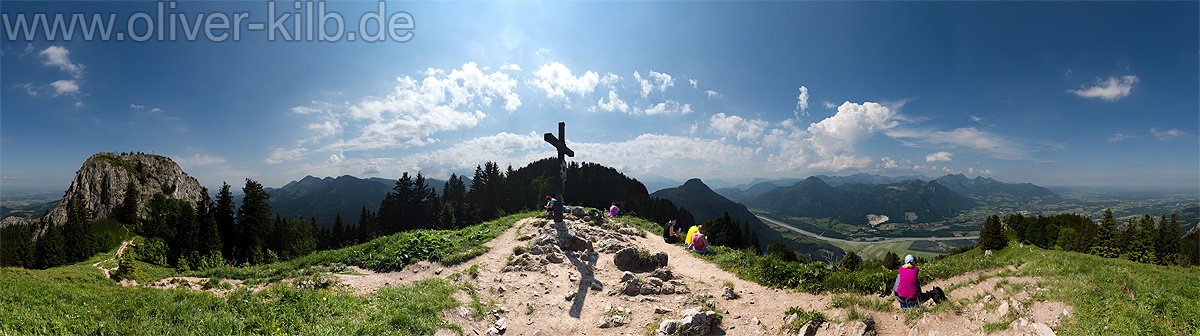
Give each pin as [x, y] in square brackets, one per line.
[852, 203]
[326, 198]
[980, 187]
[704, 203]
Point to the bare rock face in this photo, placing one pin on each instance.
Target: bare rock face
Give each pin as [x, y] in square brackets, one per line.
[695, 321]
[631, 258]
[102, 179]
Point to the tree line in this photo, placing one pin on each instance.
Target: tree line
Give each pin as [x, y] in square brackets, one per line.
[1143, 239]
[213, 232]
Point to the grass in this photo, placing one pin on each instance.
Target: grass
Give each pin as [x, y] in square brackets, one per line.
[802, 317]
[77, 299]
[389, 253]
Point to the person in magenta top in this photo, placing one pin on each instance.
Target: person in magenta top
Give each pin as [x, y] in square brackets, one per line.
[907, 287]
[612, 210]
[699, 241]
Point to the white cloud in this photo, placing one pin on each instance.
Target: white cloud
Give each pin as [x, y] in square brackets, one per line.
[712, 94]
[939, 157]
[829, 105]
[967, 137]
[668, 107]
[64, 86]
[888, 163]
[198, 159]
[512, 67]
[137, 106]
[736, 126]
[416, 110]
[802, 102]
[655, 153]
[503, 148]
[29, 89]
[335, 158]
[853, 122]
[1168, 135]
[614, 103]
[1110, 90]
[155, 110]
[693, 81]
[610, 79]
[326, 129]
[557, 80]
[656, 81]
[1122, 136]
[58, 56]
[280, 155]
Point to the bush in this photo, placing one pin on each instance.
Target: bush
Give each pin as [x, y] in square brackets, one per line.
[127, 268]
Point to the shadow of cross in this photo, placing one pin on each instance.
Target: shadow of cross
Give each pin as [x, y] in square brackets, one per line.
[586, 268]
[560, 143]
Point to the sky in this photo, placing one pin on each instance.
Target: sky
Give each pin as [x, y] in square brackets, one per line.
[1052, 93]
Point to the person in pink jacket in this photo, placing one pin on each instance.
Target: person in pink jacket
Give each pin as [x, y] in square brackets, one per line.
[907, 287]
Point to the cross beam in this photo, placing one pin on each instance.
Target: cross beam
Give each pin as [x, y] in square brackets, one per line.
[560, 143]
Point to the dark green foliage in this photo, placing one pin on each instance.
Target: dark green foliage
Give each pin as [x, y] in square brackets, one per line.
[79, 242]
[849, 262]
[50, 251]
[128, 213]
[891, 260]
[1108, 239]
[991, 235]
[223, 215]
[983, 186]
[16, 246]
[127, 268]
[723, 231]
[780, 251]
[254, 217]
[1168, 240]
[750, 239]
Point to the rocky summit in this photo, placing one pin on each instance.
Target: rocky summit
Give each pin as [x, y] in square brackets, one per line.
[102, 180]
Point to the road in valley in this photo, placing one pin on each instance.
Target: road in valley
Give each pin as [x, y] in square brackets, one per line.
[843, 241]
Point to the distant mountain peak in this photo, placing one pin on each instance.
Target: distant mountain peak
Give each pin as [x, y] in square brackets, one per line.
[695, 183]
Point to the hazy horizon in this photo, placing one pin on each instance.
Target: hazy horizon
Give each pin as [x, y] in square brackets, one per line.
[1050, 93]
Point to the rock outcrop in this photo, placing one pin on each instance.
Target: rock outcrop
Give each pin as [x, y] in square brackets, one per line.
[102, 180]
[695, 321]
[631, 258]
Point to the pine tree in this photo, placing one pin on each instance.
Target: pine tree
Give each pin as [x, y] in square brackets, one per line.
[850, 261]
[1141, 242]
[254, 217]
[1167, 240]
[223, 215]
[339, 230]
[1108, 238]
[723, 230]
[991, 235]
[128, 214]
[891, 260]
[750, 239]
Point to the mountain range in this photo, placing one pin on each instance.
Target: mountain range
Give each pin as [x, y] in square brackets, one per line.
[862, 204]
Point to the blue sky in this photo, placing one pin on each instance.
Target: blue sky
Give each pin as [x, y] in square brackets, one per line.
[1054, 93]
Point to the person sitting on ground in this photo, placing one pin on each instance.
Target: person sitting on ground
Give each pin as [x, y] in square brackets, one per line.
[699, 241]
[549, 206]
[687, 239]
[907, 286]
[613, 211]
[670, 232]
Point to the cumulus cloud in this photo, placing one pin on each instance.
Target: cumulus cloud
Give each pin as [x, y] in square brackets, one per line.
[712, 94]
[415, 110]
[64, 86]
[693, 81]
[1111, 89]
[736, 126]
[280, 155]
[59, 57]
[1169, 134]
[1122, 136]
[829, 105]
[556, 79]
[939, 157]
[503, 148]
[136, 106]
[668, 107]
[614, 103]
[512, 67]
[655, 153]
[801, 102]
[326, 129]
[155, 110]
[655, 81]
[852, 123]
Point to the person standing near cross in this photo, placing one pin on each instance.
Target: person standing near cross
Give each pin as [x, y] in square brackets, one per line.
[560, 143]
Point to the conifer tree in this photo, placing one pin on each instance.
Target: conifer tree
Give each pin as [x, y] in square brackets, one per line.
[780, 251]
[1141, 244]
[1168, 240]
[223, 215]
[750, 239]
[850, 261]
[1108, 238]
[723, 230]
[254, 217]
[50, 251]
[991, 235]
[128, 214]
[339, 230]
[891, 260]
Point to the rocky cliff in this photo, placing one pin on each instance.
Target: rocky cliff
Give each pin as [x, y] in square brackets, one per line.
[102, 179]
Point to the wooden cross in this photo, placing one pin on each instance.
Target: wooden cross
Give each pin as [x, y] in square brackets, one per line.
[560, 143]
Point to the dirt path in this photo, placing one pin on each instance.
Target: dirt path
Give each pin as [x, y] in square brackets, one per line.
[116, 256]
[557, 297]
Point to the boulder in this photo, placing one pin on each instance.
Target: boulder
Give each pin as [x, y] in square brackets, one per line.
[663, 273]
[695, 321]
[654, 281]
[613, 321]
[578, 212]
[1043, 329]
[631, 258]
[1003, 310]
[728, 294]
[631, 287]
[561, 235]
[627, 276]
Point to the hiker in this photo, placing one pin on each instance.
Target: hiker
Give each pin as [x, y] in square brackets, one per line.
[670, 232]
[549, 206]
[699, 241]
[907, 287]
[687, 239]
[613, 211]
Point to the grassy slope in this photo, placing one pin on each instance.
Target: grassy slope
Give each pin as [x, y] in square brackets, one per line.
[77, 299]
